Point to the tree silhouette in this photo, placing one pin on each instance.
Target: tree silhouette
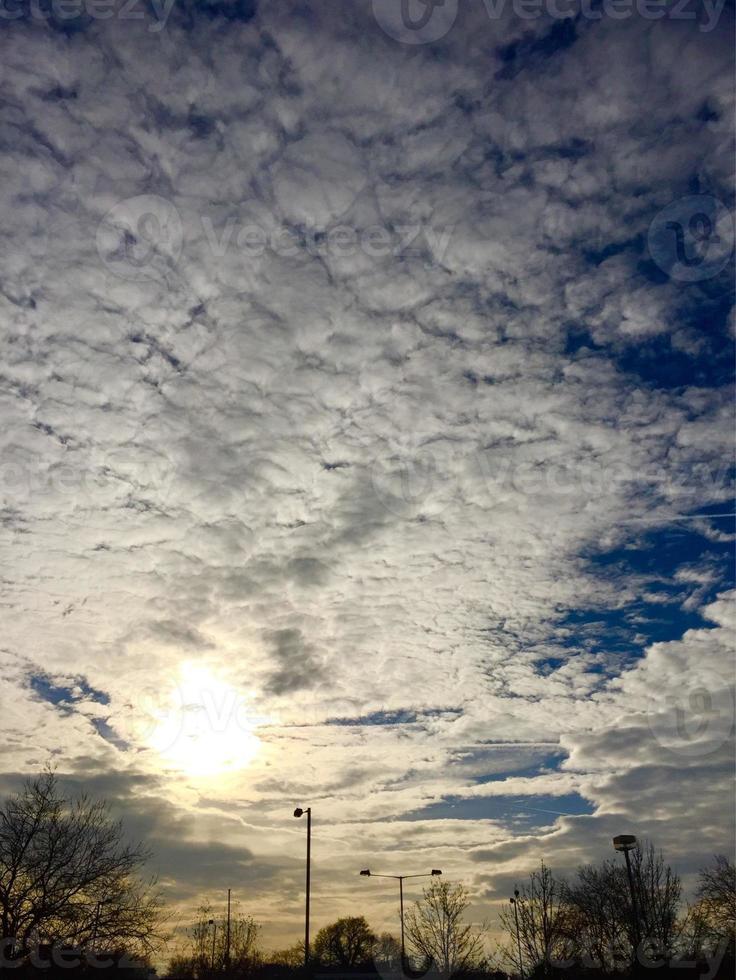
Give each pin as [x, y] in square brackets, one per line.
[291, 957]
[716, 897]
[387, 951]
[658, 891]
[436, 933]
[598, 922]
[68, 877]
[711, 921]
[591, 920]
[543, 916]
[348, 942]
[207, 952]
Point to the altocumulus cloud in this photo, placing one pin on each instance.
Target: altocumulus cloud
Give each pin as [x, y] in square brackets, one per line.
[354, 370]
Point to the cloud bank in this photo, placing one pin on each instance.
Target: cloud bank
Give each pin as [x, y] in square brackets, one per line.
[376, 378]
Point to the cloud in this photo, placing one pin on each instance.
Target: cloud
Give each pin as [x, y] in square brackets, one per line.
[343, 367]
[298, 667]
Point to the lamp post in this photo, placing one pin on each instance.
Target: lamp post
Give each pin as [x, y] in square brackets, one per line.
[96, 926]
[298, 813]
[626, 843]
[211, 922]
[515, 902]
[367, 873]
[227, 933]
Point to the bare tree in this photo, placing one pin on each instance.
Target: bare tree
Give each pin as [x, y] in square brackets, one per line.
[67, 876]
[658, 891]
[543, 917]
[436, 933]
[387, 951]
[716, 898]
[600, 933]
[196, 958]
[207, 951]
[592, 919]
[710, 923]
[349, 942]
[291, 957]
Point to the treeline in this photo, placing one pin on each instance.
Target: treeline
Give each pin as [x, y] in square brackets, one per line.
[73, 898]
[605, 922]
[600, 923]
[438, 942]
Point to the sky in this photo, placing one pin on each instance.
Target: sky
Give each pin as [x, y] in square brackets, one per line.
[367, 435]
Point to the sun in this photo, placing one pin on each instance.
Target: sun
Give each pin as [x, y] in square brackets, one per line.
[205, 729]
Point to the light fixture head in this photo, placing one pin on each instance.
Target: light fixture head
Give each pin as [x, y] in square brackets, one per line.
[298, 812]
[436, 871]
[366, 872]
[624, 842]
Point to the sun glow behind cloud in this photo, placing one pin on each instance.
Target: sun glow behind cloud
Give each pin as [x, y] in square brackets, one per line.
[206, 728]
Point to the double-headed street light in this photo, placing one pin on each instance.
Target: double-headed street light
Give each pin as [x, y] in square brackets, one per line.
[298, 813]
[401, 879]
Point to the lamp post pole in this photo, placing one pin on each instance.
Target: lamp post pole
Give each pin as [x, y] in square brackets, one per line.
[401, 913]
[96, 925]
[214, 934]
[227, 934]
[98, 910]
[515, 902]
[626, 843]
[298, 813]
[367, 873]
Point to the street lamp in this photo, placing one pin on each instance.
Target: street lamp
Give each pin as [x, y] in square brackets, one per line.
[515, 902]
[211, 922]
[96, 926]
[401, 879]
[298, 813]
[626, 843]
